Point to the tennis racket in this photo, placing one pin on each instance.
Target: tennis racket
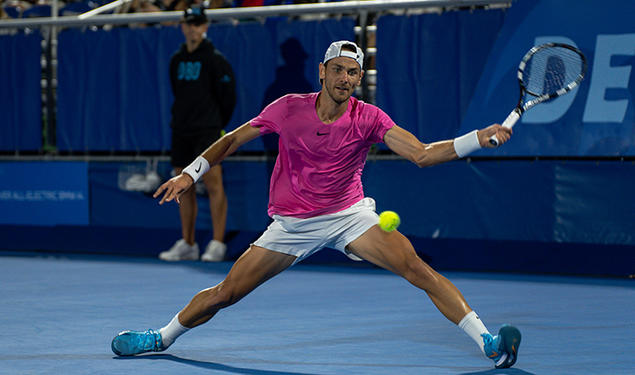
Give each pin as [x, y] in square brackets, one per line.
[546, 72]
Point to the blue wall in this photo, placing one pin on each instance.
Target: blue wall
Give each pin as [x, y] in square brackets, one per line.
[118, 98]
[20, 103]
[426, 82]
[515, 216]
[460, 74]
[454, 72]
[43, 193]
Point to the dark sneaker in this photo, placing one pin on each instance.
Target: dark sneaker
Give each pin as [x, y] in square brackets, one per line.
[503, 348]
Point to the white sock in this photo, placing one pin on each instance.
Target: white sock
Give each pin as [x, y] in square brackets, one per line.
[172, 331]
[474, 327]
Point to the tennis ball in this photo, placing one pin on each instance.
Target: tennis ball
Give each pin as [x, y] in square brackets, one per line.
[389, 221]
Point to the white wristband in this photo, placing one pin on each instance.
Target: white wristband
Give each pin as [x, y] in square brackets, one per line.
[467, 143]
[199, 167]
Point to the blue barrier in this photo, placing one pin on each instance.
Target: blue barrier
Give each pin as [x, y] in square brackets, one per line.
[20, 103]
[425, 82]
[596, 119]
[44, 193]
[545, 201]
[245, 184]
[461, 75]
[522, 216]
[455, 73]
[114, 92]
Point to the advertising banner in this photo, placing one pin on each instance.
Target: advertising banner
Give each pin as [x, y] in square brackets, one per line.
[44, 193]
[596, 119]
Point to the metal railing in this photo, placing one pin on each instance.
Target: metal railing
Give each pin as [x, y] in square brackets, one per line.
[254, 12]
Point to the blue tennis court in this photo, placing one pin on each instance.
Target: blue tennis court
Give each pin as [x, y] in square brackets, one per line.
[59, 313]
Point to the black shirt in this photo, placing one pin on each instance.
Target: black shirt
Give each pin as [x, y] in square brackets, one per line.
[203, 87]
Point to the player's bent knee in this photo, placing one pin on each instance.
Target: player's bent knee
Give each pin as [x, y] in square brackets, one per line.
[420, 274]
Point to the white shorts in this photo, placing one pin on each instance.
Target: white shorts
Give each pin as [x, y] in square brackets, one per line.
[304, 237]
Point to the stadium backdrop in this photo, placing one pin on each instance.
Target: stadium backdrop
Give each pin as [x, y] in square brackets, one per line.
[453, 72]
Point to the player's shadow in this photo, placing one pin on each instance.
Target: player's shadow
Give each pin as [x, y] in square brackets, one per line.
[506, 371]
[289, 79]
[215, 366]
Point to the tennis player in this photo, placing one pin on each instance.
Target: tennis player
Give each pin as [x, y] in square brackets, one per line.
[316, 201]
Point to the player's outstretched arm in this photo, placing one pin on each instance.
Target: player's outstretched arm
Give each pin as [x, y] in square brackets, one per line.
[405, 144]
[214, 154]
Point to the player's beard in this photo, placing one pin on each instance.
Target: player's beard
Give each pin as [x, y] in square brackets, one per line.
[336, 97]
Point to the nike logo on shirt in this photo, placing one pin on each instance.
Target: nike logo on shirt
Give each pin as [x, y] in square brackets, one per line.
[318, 133]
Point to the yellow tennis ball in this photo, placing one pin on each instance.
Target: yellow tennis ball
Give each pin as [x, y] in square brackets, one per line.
[389, 221]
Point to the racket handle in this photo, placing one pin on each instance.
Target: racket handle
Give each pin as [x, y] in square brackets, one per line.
[508, 123]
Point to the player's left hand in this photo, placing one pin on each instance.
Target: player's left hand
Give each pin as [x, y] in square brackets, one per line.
[502, 134]
[174, 187]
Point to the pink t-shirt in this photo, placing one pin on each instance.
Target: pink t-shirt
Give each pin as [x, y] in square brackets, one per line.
[319, 166]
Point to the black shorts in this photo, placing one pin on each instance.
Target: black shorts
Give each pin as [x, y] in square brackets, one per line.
[185, 148]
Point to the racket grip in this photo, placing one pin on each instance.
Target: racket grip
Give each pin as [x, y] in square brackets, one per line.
[508, 123]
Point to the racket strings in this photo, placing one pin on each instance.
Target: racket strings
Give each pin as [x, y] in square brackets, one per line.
[551, 69]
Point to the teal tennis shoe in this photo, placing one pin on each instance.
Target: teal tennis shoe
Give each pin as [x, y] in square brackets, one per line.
[502, 348]
[137, 342]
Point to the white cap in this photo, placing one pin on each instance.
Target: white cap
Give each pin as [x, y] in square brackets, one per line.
[335, 50]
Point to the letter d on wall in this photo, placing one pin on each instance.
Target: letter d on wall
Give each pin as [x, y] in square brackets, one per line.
[606, 76]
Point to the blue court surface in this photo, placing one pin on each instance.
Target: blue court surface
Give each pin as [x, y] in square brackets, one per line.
[58, 314]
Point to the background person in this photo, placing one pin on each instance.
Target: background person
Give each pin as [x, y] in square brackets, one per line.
[204, 98]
